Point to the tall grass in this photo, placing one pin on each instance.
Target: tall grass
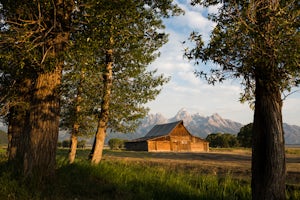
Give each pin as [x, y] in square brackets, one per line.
[121, 180]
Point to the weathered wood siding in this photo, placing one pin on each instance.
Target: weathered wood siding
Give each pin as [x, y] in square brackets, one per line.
[178, 140]
[159, 144]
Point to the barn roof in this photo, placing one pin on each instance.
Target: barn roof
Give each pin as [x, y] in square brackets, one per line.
[159, 130]
[162, 129]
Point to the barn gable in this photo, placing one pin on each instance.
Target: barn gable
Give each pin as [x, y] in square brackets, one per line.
[162, 130]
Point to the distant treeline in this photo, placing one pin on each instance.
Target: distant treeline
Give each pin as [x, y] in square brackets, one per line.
[225, 140]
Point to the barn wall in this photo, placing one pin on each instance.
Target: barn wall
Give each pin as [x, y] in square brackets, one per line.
[159, 145]
[136, 146]
[199, 145]
[179, 142]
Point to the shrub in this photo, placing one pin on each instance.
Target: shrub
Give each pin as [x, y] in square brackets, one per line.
[116, 143]
[81, 144]
[222, 140]
[66, 143]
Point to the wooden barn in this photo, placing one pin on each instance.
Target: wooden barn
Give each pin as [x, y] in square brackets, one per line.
[171, 137]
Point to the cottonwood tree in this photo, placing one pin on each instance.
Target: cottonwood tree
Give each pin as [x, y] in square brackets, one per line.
[129, 29]
[77, 114]
[38, 33]
[15, 84]
[259, 43]
[14, 91]
[78, 86]
[126, 35]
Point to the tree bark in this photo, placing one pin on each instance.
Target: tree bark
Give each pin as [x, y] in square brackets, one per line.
[96, 153]
[40, 154]
[268, 151]
[16, 138]
[73, 148]
[17, 124]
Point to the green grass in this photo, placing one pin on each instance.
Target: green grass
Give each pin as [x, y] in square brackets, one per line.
[124, 180]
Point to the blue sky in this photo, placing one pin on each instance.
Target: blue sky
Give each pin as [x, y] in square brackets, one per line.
[187, 91]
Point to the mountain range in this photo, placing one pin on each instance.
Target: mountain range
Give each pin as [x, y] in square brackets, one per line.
[196, 124]
[201, 126]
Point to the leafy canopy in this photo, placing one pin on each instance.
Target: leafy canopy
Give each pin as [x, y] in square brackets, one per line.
[134, 31]
[242, 40]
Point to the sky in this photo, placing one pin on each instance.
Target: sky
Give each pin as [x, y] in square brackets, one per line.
[184, 90]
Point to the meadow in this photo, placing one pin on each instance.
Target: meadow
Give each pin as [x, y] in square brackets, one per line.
[142, 175]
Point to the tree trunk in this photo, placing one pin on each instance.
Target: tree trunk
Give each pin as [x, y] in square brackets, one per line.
[96, 153]
[17, 124]
[76, 125]
[73, 148]
[40, 154]
[268, 151]
[16, 138]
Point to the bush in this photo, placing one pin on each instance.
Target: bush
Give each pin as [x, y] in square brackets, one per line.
[81, 144]
[116, 143]
[245, 135]
[222, 140]
[59, 144]
[66, 143]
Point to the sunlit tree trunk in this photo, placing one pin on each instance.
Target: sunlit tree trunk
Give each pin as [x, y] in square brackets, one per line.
[268, 152]
[76, 125]
[73, 147]
[96, 154]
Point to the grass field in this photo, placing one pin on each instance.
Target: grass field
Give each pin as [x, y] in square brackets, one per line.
[141, 175]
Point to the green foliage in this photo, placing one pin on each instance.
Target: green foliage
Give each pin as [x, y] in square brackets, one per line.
[66, 143]
[59, 144]
[116, 143]
[81, 144]
[245, 135]
[257, 42]
[251, 44]
[134, 32]
[222, 140]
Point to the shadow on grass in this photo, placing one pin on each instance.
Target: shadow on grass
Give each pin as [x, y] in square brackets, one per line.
[119, 180]
[116, 180]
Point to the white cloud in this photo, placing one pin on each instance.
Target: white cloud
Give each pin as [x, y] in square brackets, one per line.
[187, 91]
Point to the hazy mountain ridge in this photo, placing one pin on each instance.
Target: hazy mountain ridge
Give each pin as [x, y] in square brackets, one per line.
[197, 125]
[291, 134]
[201, 126]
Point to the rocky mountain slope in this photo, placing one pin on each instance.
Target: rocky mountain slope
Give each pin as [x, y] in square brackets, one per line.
[201, 126]
[197, 124]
